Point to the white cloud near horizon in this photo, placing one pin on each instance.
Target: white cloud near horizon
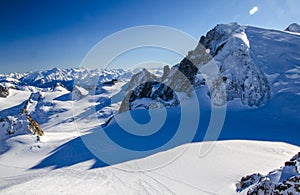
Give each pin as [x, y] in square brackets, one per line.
[253, 10]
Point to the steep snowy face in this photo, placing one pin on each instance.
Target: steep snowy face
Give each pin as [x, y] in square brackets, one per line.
[277, 54]
[231, 50]
[294, 27]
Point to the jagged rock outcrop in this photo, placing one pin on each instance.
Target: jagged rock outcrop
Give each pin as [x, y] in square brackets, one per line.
[285, 180]
[145, 91]
[34, 127]
[4, 91]
[294, 27]
[19, 125]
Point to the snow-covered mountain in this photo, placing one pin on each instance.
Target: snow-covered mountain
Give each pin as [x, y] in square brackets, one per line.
[255, 64]
[259, 68]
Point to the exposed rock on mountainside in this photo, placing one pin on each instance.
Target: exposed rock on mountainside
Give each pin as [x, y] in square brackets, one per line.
[145, 91]
[20, 124]
[4, 91]
[78, 92]
[294, 27]
[34, 126]
[285, 180]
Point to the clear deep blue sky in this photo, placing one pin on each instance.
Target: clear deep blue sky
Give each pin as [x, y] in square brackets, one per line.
[37, 34]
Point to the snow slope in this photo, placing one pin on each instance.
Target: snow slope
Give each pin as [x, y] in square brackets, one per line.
[215, 173]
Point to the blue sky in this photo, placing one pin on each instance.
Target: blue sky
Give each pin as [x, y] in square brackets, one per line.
[37, 35]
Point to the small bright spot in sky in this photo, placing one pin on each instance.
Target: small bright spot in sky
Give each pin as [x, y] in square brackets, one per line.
[253, 10]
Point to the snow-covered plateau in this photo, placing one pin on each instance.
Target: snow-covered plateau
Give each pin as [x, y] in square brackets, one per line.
[82, 131]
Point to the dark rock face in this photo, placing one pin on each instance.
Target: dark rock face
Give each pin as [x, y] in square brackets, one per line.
[4, 91]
